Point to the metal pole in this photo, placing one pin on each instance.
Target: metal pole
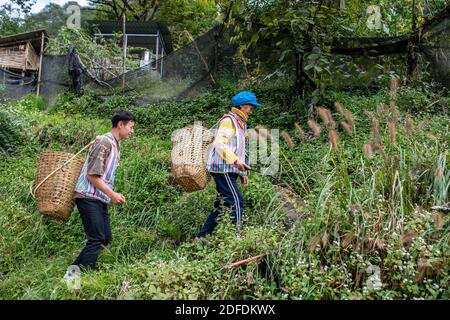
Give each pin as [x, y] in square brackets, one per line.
[40, 64]
[124, 51]
[162, 60]
[157, 50]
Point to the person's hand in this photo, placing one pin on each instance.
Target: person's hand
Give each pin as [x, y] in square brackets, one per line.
[241, 166]
[117, 198]
[244, 180]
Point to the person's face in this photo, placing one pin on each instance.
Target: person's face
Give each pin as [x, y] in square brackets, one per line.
[247, 109]
[126, 129]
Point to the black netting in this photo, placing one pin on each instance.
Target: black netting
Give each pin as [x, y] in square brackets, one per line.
[14, 85]
[435, 47]
[212, 58]
[180, 74]
[364, 71]
[54, 78]
[360, 61]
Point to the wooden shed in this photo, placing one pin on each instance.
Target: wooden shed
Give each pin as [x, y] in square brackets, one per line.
[21, 52]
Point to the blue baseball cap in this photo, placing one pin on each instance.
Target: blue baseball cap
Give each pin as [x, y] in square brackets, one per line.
[245, 97]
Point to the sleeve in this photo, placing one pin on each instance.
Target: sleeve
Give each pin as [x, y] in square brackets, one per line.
[224, 133]
[98, 156]
[247, 159]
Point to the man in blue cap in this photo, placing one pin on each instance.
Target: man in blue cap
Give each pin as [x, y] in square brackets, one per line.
[228, 160]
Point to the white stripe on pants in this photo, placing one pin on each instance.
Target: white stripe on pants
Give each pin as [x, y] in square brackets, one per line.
[236, 199]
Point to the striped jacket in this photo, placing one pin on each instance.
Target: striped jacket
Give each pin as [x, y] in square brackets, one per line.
[111, 161]
[230, 143]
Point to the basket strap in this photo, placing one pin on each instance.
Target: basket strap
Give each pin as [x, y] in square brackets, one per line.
[33, 192]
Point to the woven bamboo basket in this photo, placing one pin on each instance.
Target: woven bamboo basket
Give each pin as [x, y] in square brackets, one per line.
[60, 170]
[189, 154]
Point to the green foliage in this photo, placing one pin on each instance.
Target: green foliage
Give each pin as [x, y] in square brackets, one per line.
[91, 54]
[184, 18]
[295, 32]
[370, 203]
[8, 24]
[396, 17]
[14, 128]
[187, 19]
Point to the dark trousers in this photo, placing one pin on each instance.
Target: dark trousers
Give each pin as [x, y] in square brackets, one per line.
[228, 196]
[76, 80]
[94, 215]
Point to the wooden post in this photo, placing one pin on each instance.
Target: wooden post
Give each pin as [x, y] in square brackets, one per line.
[40, 65]
[341, 6]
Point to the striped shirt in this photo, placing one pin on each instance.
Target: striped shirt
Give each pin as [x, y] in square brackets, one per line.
[103, 160]
[230, 144]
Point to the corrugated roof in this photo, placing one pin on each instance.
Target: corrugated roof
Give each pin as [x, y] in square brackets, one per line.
[34, 37]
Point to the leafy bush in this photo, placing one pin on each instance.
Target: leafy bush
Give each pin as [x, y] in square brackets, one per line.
[352, 211]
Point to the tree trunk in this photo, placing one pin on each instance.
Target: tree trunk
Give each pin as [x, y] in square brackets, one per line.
[299, 82]
[413, 43]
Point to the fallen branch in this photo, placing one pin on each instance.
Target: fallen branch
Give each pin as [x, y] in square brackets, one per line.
[241, 262]
[444, 208]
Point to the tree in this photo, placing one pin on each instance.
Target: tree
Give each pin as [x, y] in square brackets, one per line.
[299, 32]
[24, 5]
[9, 21]
[194, 16]
[296, 35]
[11, 16]
[138, 10]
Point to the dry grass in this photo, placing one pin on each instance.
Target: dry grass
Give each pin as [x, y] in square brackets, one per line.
[333, 138]
[323, 115]
[314, 243]
[376, 135]
[332, 123]
[346, 113]
[408, 236]
[264, 132]
[314, 127]
[380, 150]
[288, 139]
[382, 110]
[392, 132]
[347, 240]
[325, 239]
[422, 124]
[300, 132]
[431, 136]
[346, 128]
[439, 220]
[368, 151]
[327, 118]
[394, 114]
[408, 125]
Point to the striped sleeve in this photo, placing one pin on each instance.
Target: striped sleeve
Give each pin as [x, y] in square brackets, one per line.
[225, 132]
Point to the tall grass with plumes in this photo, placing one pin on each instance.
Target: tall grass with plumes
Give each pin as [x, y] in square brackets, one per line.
[333, 215]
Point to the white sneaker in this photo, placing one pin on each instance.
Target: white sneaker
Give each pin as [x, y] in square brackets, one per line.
[73, 277]
[197, 240]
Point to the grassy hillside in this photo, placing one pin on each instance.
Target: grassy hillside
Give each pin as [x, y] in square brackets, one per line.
[329, 217]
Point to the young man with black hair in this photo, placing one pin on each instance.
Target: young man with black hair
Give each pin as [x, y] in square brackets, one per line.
[94, 189]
